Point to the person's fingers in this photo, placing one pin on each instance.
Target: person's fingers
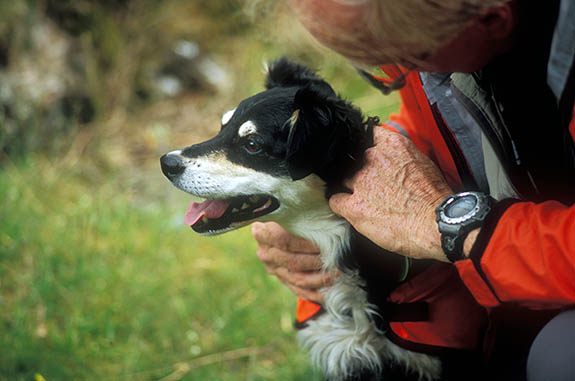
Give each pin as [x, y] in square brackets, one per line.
[273, 234]
[293, 260]
[306, 294]
[338, 202]
[305, 280]
[299, 286]
[275, 257]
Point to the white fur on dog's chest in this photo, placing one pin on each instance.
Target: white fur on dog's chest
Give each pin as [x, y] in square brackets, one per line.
[345, 340]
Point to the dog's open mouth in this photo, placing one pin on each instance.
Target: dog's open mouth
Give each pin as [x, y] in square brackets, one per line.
[218, 216]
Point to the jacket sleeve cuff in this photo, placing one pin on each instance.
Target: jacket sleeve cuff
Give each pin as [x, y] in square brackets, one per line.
[470, 269]
[395, 127]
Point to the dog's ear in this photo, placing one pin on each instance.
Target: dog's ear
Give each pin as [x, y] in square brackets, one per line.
[307, 127]
[327, 136]
[285, 73]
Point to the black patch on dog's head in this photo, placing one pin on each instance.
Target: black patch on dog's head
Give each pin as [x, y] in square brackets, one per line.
[285, 73]
[327, 135]
[302, 127]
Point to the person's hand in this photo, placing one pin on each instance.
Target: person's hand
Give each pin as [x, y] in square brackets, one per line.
[293, 260]
[394, 198]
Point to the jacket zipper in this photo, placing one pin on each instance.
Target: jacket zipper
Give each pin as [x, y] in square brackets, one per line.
[465, 174]
[503, 147]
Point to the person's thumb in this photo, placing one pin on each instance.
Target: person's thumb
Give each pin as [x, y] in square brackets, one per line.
[338, 202]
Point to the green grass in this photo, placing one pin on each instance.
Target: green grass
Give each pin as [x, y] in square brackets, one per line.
[100, 279]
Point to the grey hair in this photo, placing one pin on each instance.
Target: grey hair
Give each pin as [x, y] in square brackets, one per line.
[400, 31]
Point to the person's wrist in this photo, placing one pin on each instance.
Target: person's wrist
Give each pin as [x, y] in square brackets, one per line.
[470, 241]
[432, 244]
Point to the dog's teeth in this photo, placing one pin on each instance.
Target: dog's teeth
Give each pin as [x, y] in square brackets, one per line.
[245, 206]
[235, 210]
[267, 204]
[254, 199]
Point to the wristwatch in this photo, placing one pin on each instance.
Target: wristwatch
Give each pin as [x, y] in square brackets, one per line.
[456, 216]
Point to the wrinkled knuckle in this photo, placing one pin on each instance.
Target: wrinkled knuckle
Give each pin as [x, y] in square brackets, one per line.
[300, 281]
[271, 270]
[314, 264]
[256, 230]
[293, 263]
[310, 247]
[261, 232]
[284, 241]
[262, 254]
[283, 273]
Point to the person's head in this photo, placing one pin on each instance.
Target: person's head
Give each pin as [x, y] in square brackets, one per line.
[433, 35]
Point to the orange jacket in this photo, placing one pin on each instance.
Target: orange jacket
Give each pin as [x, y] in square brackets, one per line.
[454, 320]
[526, 256]
[526, 252]
[522, 267]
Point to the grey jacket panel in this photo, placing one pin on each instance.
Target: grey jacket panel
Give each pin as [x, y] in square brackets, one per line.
[562, 56]
[437, 87]
[500, 187]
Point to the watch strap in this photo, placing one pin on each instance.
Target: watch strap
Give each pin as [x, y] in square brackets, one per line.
[453, 235]
[452, 245]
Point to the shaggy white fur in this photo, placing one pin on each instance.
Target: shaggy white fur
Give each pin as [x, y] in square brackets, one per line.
[345, 340]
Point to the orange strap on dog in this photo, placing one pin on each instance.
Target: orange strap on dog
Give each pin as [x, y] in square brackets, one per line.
[306, 310]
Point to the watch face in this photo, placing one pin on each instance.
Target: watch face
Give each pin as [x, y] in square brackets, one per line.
[461, 206]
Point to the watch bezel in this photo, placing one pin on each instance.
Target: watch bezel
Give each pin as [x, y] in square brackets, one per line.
[479, 203]
[454, 230]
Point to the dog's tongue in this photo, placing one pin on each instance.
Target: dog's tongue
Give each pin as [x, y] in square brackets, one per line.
[208, 208]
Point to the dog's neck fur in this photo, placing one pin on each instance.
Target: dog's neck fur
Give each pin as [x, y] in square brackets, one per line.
[314, 221]
[329, 233]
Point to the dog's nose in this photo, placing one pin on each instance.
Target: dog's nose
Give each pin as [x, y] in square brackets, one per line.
[172, 165]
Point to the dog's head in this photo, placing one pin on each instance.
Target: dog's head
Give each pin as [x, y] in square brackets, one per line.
[277, 151]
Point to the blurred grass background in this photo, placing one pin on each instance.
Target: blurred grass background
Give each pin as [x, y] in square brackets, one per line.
[99, 277]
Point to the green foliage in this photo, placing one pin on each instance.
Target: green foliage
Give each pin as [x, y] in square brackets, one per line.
[70, 66]
[97, 282]
[99, 279]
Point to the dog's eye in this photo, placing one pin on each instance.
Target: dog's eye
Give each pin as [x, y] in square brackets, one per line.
[252, 146]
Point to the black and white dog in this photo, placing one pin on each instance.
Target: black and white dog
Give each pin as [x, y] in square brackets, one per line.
[278, 157]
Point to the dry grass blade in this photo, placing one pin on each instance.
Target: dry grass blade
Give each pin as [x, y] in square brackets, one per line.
[182, 368]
